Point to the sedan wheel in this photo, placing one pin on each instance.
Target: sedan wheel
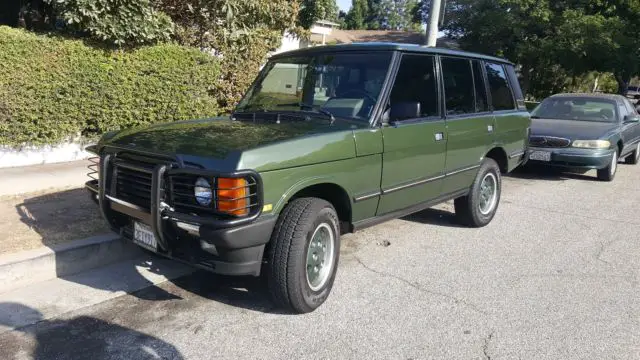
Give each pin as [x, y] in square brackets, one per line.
[608, 173]
[634, 157]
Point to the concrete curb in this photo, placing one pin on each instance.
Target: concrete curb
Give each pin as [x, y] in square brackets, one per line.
[33, 266]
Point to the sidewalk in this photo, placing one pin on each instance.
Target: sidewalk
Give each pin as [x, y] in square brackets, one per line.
[37, 178]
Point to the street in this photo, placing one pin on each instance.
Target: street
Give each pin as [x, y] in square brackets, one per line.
[554, 276]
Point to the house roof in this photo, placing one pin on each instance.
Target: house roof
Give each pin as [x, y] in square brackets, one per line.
[388, 46]
[391, 36]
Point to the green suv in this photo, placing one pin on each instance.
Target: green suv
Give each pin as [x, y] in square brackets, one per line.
[328, 140]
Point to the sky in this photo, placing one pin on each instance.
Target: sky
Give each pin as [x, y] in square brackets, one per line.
[344, 5]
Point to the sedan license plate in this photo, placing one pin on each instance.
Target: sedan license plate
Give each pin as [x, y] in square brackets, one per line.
[540, 155]
[143, 235]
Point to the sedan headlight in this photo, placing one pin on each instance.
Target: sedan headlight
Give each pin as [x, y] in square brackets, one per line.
[592, 144]
[203, 192]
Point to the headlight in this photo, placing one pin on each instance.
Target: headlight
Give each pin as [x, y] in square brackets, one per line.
[592, 144]
[203, 192]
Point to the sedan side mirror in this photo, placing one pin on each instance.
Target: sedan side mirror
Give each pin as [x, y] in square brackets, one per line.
[632, 119]
[404, 110]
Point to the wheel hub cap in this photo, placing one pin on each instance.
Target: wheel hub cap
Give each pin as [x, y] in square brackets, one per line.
[488, 194]
[320, 257]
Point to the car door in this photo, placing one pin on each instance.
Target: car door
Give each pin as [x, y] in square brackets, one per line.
[469, 122]
[414, 143]
[630, 131]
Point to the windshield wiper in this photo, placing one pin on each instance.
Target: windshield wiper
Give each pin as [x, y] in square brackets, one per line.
[320, 110]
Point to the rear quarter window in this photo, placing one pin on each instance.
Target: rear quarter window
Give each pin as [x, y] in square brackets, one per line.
[502, 97]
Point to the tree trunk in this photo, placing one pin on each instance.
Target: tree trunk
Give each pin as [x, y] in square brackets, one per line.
[526, 79]
[623, 82]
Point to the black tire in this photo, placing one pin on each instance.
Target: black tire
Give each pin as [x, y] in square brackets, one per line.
[468, 207]
[287, 256]
[609, 173]
[634, 157]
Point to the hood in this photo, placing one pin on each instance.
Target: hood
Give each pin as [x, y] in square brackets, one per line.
[572, 129]
[217, 137]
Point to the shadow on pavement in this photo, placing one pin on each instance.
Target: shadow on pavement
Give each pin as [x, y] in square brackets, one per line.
[538, 172]
[434, 217]
[82, 337]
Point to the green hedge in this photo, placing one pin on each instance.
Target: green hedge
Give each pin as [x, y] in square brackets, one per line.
[52, 88]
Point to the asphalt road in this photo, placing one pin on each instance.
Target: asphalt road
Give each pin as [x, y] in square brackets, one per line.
[554, 276]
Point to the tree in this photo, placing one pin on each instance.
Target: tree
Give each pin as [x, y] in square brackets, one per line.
[552, 41]
[356, 17]
[313, 10]
[391, 14]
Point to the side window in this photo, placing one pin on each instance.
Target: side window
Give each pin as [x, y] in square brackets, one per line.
[415, 83]
[458, 86]
[630, 108]
[622, 110]
[501, 95]
[482, 102]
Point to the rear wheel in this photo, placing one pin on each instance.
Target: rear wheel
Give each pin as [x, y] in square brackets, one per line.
[478, 208]
[634, 157]
[303, 257]
[608, 173]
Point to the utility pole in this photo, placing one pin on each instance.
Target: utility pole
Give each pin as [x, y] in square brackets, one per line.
[434, 21]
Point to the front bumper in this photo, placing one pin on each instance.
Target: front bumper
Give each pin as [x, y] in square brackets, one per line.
[223, 246]
[574, 158]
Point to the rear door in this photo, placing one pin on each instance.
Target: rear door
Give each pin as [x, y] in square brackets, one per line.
[512, 119]
[414, 147]
[469, 122]
[630, 131]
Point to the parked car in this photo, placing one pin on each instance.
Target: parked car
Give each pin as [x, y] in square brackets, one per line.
[585, 131]
[328, 140]
[633, 93]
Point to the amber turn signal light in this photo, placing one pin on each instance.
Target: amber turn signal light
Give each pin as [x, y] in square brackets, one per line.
[233, 196]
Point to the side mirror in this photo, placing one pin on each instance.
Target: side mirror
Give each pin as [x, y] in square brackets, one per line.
[632, 119]
[404, 110]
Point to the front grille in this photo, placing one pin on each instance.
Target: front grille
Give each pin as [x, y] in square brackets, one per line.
[133, 186]
[183, 198]
[133, 175]
[549, 141]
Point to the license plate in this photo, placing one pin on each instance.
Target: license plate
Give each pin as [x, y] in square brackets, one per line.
[540, 155]
[144, 236]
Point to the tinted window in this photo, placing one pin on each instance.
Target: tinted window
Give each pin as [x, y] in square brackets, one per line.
[482, 103]
[458, 86]
[501, 96]
[416, 82]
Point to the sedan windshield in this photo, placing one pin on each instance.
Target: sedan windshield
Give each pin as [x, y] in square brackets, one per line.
[576, 108]
[339, 84]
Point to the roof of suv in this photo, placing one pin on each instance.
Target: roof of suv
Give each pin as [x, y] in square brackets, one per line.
[388, 46]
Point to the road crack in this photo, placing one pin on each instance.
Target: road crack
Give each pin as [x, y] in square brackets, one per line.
[485, 347]
[417, 287]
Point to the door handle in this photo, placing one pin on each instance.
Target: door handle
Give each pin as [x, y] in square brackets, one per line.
[490, 128]
[439, 136]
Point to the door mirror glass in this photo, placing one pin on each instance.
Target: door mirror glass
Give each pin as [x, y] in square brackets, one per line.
[632, 118]
[404, 110]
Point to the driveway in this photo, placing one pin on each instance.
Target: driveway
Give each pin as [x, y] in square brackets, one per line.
[554, 276]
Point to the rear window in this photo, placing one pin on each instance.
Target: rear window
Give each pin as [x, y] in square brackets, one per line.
[501, 94]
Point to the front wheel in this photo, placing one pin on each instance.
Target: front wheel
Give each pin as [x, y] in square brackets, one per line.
[608, 173]
[634, 157]
[303, 256]
[478, 208]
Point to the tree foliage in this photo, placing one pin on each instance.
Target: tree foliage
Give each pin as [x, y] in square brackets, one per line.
[117, 22]
[383, 15]
[553, 41]
[313, 10]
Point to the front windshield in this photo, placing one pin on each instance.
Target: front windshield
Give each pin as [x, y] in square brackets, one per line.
[576, 108]
[343, 84]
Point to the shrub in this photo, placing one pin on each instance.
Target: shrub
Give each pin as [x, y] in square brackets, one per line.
[53, 88]
[118, 22]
